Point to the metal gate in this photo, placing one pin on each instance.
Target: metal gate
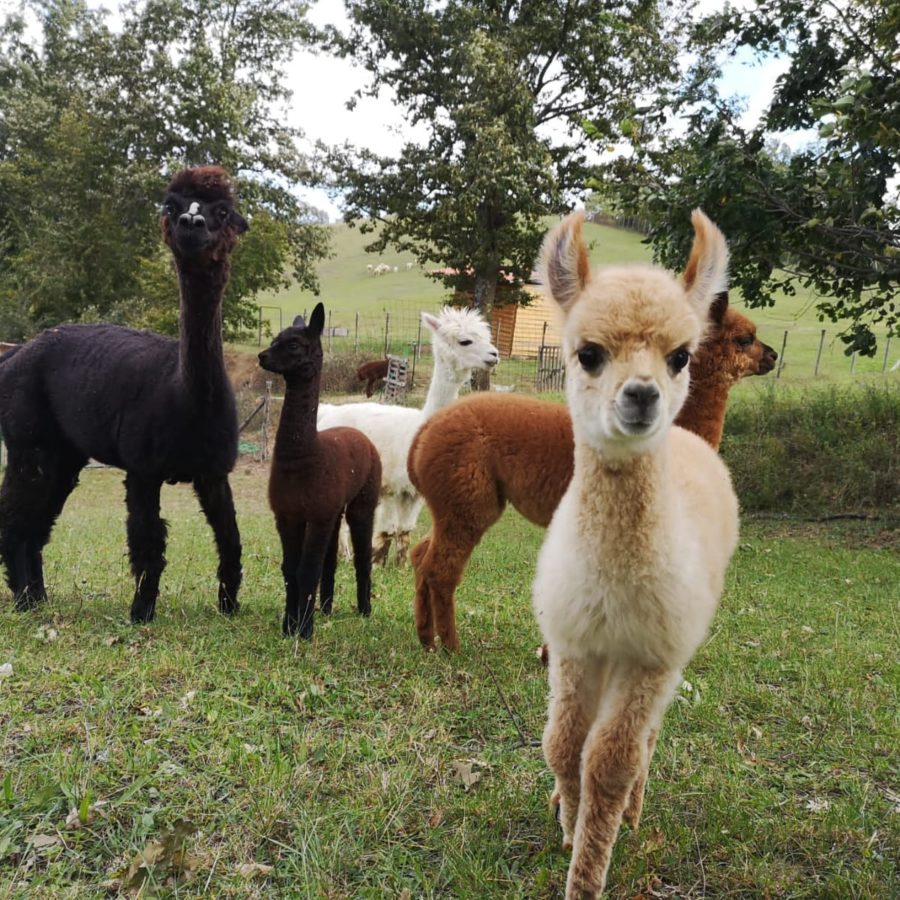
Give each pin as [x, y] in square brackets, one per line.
[551, 373]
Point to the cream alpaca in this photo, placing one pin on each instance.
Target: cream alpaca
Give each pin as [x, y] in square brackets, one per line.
[630, 574]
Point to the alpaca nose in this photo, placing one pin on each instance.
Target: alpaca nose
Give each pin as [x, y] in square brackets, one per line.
[641, 395]
[189, 221]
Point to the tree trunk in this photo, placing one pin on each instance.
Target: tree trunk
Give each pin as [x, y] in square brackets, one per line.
[483, 300]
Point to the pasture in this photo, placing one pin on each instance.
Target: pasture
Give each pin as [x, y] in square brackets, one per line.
[347, 289]
[244, 764]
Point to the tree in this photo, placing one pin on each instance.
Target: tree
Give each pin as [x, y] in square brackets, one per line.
[826, 216]
[93, 122]
[501, 89]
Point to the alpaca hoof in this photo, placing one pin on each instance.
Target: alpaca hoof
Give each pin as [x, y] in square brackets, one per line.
[366, 610]
[230, 608]
[291, 627]
[142, 616]
[29, 600]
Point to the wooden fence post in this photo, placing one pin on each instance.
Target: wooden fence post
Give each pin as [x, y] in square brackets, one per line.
[781, 356]
[387, 332]
[264, 428]
[415, 355]
[887, 349]
[329, 331]
[819, 354]
[356, 335]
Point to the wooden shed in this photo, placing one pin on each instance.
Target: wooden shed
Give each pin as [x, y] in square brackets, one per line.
[520, 331]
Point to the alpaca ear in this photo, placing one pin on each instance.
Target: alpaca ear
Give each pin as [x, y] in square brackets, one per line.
[238, 222]
[432, 323]
[317, 321]
[706, 273]
[718, 308]
[563, 264]
[299, 322]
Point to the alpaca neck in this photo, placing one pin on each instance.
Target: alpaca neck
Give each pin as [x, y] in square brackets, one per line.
[201, 357]
[621, 506]
[297, 426]
[445, 385]
[704, 410]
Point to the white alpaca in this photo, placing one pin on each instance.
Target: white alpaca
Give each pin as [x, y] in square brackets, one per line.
[460, 342]
[632, 568]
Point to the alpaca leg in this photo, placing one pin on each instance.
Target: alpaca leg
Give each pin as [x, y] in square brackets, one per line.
[575, 689]
[442, 570]
[146, 544]
[315, 544]
[403, 548]
[34, 491]
[217, 504]
[632, 814]
[360, 517]
[344, 541]
[329, 567]
[614, 756]
[291, 535]
[381, 548]
[422, 602]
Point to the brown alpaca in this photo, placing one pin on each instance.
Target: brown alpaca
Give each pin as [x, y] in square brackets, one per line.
[472, 458]
[316, 478]
[372, 371]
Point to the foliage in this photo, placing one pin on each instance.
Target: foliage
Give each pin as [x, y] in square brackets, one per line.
[93, 121]
[825, 217]
[499, 90]
[817, 451]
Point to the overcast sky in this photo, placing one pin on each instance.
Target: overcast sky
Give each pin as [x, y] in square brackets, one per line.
[322, 85]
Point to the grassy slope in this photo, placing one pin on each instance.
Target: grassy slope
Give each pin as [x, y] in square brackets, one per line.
[347, 288]
[336, 762]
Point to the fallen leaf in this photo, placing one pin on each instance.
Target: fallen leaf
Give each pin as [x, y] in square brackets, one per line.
[255, 870]
[39, 841]
[817, 804]
[405, 894]
[166, 858]
[6, 670]
[436, 818]
[465, 774]
[112, 640]
[187, 698]
[46, 633]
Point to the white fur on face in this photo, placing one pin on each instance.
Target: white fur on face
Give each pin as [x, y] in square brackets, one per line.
[462, 337]
[194, 208]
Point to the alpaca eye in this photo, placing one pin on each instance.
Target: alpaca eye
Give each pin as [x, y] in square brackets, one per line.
[464, 343]
[591, 357]
[294, 345]
[679, 359]
[745, 342]
[223, 214]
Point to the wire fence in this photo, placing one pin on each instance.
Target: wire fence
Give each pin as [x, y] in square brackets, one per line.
[528, 340]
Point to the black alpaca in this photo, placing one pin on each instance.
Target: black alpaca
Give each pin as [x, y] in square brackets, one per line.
[161, 409]
[316, 477]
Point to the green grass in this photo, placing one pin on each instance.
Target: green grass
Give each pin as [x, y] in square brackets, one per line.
[337, 763]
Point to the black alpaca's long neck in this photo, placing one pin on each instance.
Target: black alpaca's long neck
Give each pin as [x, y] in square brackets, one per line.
[201, 357]
[297, 430]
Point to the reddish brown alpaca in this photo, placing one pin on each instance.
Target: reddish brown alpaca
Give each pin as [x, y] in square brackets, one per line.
[316, 478]
[472, 458]
[372, 371]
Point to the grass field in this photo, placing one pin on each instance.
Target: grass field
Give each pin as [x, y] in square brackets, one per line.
[357, 766]
[347, 289]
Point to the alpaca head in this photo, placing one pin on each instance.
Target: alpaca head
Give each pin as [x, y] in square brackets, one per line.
[461, 340]
[739, 352]
[199, 222]
[628, 335]
[296, 352]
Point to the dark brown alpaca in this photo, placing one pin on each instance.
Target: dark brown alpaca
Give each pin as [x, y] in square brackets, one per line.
[372, 371]
[472, 458]
[316, 478]
[162, 410]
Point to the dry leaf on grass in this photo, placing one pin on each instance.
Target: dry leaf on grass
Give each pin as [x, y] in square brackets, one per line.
[5, 670]
[255, 870]
[436, 818]
[166, 858]
[40, 841]
[46, 633]
[465, 774]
